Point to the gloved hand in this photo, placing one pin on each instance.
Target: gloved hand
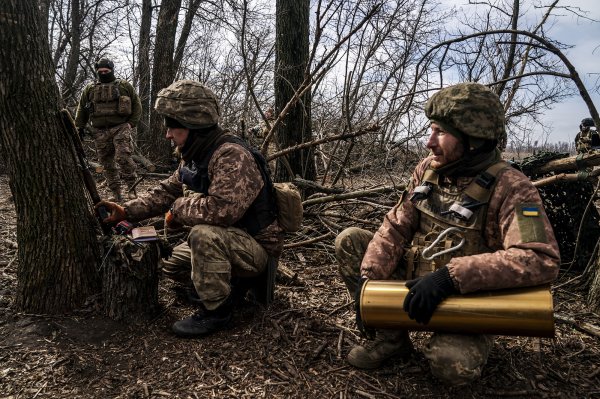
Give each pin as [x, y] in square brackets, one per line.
[116, 212]
[81, 132]
[170, 220]
[368, 333]
[426, 293]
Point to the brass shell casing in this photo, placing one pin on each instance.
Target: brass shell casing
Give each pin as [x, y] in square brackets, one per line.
[521, 311]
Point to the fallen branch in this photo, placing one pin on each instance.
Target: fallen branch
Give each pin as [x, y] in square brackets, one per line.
[313, 143]
[566, 177]
[307, 242]
[316, 187]
[580, 161]
[582, 326]
[355, 194]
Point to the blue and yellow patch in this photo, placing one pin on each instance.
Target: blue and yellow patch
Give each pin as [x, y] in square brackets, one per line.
[530, 211]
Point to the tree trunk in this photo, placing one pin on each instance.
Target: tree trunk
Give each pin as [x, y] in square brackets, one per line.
[142, 76]
[58, 252]
[163, 74]
[68, 94]
[291, 58]
[130, 279]
[185, 32]
[593, 297]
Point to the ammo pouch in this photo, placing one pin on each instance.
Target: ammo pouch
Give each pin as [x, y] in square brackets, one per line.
[289, 205]
[124, 107]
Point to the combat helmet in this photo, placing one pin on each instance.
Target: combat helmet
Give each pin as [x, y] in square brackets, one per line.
[104, 62]
[190, 103]
[470, 109]
[587, 122]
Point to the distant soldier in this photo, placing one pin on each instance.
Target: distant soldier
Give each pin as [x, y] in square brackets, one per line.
[583, 139]
[113, 108]
[259, 132]
[495, 212]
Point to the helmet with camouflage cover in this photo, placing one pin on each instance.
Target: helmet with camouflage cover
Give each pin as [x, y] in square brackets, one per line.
[470, 108]
[586, 122]
[190, 103]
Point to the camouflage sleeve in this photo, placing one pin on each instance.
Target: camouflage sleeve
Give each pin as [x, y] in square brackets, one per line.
[82, 114]
[235, 183]
[156, 201]
[136, 105]
[399, 225]
[517, 228]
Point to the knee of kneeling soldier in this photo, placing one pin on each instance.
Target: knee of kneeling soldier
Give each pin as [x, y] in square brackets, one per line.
[457, 360]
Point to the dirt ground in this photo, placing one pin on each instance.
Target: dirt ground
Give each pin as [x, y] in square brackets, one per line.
[294, 349]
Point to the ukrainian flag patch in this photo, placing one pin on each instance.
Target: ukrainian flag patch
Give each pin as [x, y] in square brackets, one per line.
[530, 211]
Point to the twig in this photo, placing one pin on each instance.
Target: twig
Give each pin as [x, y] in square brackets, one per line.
[354, 194]
[307, 242]
[583, 326]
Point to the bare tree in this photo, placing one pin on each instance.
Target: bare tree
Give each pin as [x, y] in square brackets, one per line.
[55, 231]
[292, 63]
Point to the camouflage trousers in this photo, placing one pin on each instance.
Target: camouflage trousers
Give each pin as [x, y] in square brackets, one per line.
[114, 144]
[455, 359]
[213, 255]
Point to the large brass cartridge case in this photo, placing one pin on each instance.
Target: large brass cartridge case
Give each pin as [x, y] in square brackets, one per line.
[522, 311]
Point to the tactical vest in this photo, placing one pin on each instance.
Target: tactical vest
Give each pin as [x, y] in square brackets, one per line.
[105, 99]
[262, 212]
[442, 208]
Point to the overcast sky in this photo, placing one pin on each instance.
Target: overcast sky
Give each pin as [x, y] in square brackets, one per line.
[584, 35]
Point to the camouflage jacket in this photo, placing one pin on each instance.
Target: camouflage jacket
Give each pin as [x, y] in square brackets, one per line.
[235, 183]
[83, 115]
[515, 261]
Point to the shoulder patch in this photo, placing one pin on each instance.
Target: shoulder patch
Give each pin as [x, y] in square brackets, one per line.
[531, 224]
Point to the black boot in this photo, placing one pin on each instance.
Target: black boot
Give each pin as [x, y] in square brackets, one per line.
[204, 322]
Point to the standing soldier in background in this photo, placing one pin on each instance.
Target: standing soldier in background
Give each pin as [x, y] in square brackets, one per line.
[583, 139]
[495, 212]
[113, 108]
[259, 132]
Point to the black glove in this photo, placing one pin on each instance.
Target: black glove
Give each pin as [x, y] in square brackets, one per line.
[368, 333]
[81, 132]
[426, 293]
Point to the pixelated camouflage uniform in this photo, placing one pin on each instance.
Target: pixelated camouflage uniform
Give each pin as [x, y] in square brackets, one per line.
[514, 251]
[583, 141]
[258, 134]
[110, 128]
[215, 250]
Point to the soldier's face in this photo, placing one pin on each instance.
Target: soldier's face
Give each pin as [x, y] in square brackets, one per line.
[444, 146]
[178, 135]
[102, 71]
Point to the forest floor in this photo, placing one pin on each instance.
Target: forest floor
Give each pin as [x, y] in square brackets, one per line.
[295, 348]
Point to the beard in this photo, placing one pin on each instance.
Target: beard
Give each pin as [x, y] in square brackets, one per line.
[444, 157]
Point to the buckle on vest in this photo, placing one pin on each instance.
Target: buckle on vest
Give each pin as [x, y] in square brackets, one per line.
[463, 211]
[420, 192]
[485, 180]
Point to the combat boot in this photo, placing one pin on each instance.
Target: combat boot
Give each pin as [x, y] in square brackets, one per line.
[204, 322]
[116, 194]
[387, 344]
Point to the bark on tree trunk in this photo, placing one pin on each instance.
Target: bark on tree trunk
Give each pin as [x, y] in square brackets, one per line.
[593, 297]
[163, 74]
[130, 280]
[58, 251]
[74, 55]
[291, 58]
[142, 76]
